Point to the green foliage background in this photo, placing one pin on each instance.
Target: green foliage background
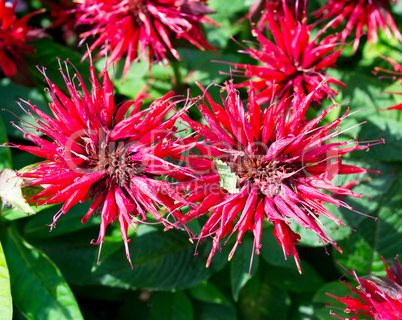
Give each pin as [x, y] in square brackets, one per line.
[54, 275]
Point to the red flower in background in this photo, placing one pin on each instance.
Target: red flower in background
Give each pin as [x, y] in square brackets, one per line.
[64, 15]
[397, 73]
[261, 9]
[258, 165]
[98, 152]
[292, 65]
[360, 15]
[143, 27]
[377, 297]
[14, 34]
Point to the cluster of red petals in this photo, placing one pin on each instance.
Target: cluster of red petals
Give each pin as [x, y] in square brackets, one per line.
[14, 34]
[292, 65]
[133, 27]
[261, 9]
[98, 152]
[377, 297]
[64, 15]
[281, 163]
[361, 15]
[397, 73]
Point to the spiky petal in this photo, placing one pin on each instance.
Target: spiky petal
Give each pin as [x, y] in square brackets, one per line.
[394, 75]
[361, 16]
[143, 27]
[379, 298]
[292, 65]
[277, 165]
[14, 33]
[98, 152]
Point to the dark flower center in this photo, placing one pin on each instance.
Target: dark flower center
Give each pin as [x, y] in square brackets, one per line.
[118, 164]
[267, 175]
[137, 7]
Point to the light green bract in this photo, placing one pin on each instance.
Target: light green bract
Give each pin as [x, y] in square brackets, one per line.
[10, 191]
[227, 178]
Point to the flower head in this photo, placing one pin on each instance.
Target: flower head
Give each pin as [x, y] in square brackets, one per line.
[131, 27]
[377, 297]
[397, 73]
[292, 65]
[360, 15]
[259, 165]
[14, 34]
[97, 152]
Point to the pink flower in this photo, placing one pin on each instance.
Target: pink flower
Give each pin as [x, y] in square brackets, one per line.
[397, 73]
[143, 27]
[360, 15]
[13, 37]
[377, 297]
[98, 152]
[259, 165]
[292, 65]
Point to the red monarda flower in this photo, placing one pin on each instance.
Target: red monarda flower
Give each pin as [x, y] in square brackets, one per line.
[394, 75]
[97, 152]
[360, 15]
[293, 65]
[261, 9]
[259, 165]
[377, 297]
[13, 37]
[132, 27]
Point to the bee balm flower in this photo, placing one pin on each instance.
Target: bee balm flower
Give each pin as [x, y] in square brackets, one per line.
[292, 65]
[259, 165]
[13, 37]
[360, 15]
[379, 298]
[97, 152]
[132, 27]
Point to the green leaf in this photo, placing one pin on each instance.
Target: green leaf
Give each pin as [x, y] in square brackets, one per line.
[38, 226]
[374, 238]
[37, 285]
[207, 292]
[260, 300]
[6, 304]
[161, 260]
[212, 311]
[241, 269]
[11, 191]
[227, 178]
[171, 306]
[290, 279]
[5, 153]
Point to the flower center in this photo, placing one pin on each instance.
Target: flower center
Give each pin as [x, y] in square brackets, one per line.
[267, 175]
[138, 7]
[118, 163]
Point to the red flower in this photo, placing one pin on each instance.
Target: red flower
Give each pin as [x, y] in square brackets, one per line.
[261, 9]
[64, 16]
[258, 165]
[292, 65]
[360, 15]
[132, 26]
[98, 152]
[397, 73]
[377, 297]
[13, 37]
